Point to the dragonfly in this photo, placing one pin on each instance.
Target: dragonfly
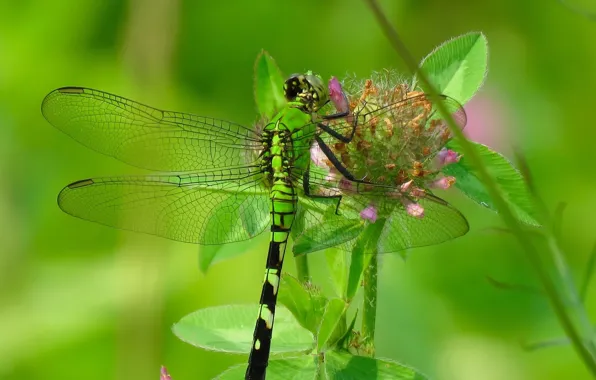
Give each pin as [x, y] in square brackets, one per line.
[219, 182]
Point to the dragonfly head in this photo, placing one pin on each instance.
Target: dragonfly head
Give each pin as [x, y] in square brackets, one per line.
[307, 91]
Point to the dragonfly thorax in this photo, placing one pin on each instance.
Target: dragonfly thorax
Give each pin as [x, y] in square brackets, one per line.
[277, 157]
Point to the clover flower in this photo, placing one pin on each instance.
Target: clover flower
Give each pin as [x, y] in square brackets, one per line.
[398, 141]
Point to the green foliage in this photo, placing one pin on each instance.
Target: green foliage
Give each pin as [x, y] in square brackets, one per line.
[305, 302]
[457, 68]
[229, 329]
[511, 183]
[332, 365]
[332, 319]
[268, 86]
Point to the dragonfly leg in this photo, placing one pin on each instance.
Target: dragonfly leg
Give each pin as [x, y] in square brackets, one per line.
[336, 162]
[307, 192]
[337, 115]
[339, 136]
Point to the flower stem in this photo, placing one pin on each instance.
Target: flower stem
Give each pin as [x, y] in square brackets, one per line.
[302, 270]
[581, 344]
[367, 245]
[370, 306]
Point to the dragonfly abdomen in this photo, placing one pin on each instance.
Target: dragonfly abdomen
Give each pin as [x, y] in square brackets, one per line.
[283, 209]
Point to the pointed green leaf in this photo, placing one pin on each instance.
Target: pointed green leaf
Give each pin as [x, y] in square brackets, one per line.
[230, 328]
[357, 265]
[341, 365]
[210, 255]
[299, 368]
[337, 262]
[457, 68]
[332, 318]
[510, 181]
[269, 83]
[207, 255]
[344, 340]
[303, 300]
[365, 247]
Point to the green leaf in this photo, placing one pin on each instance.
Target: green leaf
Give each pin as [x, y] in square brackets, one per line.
[332, 318]
[365, 247]
[305, 302]
[229, 328]
[342, 365]
[269, 83]
[337, 262]
[345, 339]
[457, 68]
[300, 368]
[210, 255]
[510, 181]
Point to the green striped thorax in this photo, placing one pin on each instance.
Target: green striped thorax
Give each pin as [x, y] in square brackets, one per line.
[282, 135]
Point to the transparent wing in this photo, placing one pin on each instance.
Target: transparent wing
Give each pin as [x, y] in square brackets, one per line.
[441, 222]
[318, 225]
[333, 221]
[213, 207]
[147, 137]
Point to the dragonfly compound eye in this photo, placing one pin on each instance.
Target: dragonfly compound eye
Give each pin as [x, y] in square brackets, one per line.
[307, 90]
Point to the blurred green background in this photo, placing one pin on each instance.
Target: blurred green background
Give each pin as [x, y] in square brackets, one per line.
[83, 301]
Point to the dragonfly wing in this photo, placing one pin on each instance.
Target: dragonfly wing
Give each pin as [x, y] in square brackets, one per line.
[213, 207]
[441, 222]
[319, 226]
[147, 137]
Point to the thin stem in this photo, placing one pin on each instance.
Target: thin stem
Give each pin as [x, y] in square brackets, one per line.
[370, 306]
[302, 270]
[367, 245]
[585, 352]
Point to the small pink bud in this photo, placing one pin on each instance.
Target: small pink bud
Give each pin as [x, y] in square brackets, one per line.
[337, 96]
[415, 210]
[447, 156]
[369, 213]
[443, 183]
[163, 374]
[406, 186]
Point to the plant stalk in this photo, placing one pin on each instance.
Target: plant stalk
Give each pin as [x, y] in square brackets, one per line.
[302, 271]
[369, 316]
[367, 246]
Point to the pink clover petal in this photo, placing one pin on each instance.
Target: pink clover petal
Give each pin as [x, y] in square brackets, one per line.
[415, 210]
[163, 374]
[443, 183]
[337, 96]
[447, 156]
[405, 186]
[369, 213]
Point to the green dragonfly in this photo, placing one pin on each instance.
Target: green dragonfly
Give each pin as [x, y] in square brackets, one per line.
[224, 182]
